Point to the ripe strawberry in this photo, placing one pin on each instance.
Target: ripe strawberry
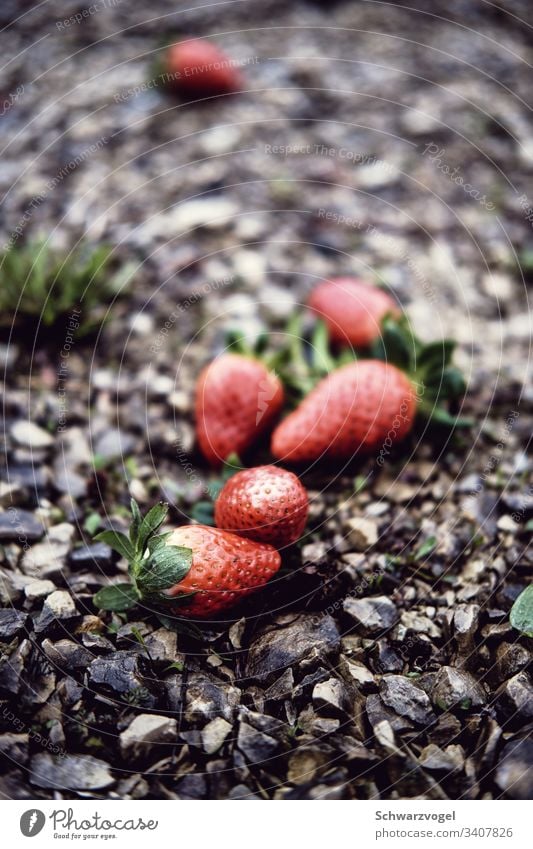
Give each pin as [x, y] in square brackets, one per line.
[355, 408]
[237, 399]
[225, 569]
[198, 68]
[193, 570]
[352, 310]
[266, 504]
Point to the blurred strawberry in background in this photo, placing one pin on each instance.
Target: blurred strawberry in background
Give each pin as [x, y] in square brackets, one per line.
[352, 309]
[198, 68]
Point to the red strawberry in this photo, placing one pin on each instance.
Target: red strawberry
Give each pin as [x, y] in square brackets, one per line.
[237, 399]
[225, 569]
[355, 408]
[352, 309]
[166, 568]
[198, 68]
[266, 504]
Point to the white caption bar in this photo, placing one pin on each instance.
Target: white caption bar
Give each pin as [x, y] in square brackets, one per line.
[264, 825]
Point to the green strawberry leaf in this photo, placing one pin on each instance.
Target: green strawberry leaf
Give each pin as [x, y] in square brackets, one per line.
[435, 355]
[118, 542]
[261, 344]
[321, 358]
[156, 541]
[448, 383]
[232, 464]
[236, 343]
[441, 417]
[165, 568]
[150, 524]
[203, 512]
[136, 521]
[395, 344]
[347, 355]
[521, 616]
[117, 597]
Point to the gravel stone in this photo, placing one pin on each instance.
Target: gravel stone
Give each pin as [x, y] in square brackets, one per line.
[514, 775]
[456, 688]
[256, 746]
[72, 772]
[406, 699]
[206, 698]
[302, 643]
[120, 674]
[12, 624]
[97, 556]
[215, 734]
[39, 589]
[20, 525]
[373, 616]
[58, 610]
[30, 435]
[331, 697]
[67, 654]
[517, 696]
[146, 735]
[362, 533]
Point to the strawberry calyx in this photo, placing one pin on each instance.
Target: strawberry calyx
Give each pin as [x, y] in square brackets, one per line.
[304, 360]
[153, 565]
[429, 367]
[237, 342]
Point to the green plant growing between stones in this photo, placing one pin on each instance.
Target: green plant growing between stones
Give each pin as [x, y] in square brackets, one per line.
[41, 287]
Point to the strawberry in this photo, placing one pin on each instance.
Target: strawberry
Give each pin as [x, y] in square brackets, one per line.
[237, 399]
[352, 310]
[370, 403]
[225, 569]
[198, 68]
[353, 409]
[194, 570]
[266, 504]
